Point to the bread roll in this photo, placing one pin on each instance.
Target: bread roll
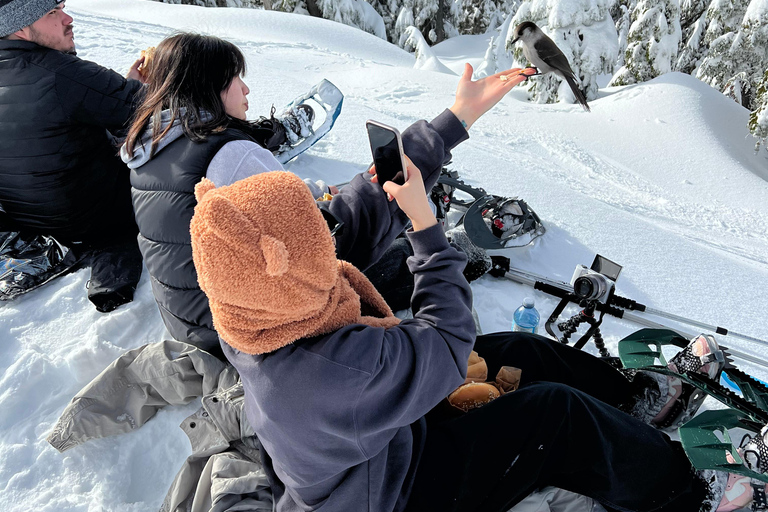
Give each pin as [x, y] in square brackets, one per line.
[473, 395]
[148, 54]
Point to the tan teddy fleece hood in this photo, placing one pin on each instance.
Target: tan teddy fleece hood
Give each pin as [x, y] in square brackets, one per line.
[267, 262]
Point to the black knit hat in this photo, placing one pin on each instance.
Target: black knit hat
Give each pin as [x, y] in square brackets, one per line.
[17, 14]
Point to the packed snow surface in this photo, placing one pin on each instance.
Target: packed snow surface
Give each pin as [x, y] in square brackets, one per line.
[660, 177]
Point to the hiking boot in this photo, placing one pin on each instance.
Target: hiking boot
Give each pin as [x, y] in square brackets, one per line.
[740, 492]
[754, 451]
[682, 400]
[298, 122]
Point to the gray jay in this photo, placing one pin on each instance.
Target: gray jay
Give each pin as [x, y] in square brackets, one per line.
[544, 54]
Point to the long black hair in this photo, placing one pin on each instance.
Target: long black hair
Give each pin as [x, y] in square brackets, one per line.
[186, 76]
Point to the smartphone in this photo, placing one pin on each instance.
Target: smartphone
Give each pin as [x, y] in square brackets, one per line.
[387, 151]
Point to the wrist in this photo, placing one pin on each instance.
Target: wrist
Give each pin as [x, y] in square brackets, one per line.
[423, 221]
[466, 117]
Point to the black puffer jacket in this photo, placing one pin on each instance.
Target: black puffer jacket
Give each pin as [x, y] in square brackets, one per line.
[164, 201]
[59, 170]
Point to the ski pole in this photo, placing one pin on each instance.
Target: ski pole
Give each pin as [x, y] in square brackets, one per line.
[501, 269]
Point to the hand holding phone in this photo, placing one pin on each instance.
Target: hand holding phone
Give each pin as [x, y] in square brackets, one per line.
[412, 198]
[387, 151]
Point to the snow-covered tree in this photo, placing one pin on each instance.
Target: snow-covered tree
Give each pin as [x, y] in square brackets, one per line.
[357, 13]
[693, 23]
[479, 16]
[430, 17]
[586, 34]
[497, 58]
[738, 59]
[725, 17]
[621, 13]
[758, 118]
[652, 41]
[217, 3]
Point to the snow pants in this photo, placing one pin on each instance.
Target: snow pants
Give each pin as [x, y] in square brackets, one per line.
[563, 428]
[116, 266]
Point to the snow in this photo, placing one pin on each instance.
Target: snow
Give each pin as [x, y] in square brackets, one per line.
[660, 177]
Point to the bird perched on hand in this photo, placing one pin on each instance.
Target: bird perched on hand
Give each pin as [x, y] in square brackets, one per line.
[544, 54]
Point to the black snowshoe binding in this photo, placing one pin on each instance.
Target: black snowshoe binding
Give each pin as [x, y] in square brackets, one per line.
[490, 221]
[297, 122]
[278, 133]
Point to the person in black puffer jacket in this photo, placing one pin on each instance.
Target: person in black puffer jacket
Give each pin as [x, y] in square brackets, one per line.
[59, 172]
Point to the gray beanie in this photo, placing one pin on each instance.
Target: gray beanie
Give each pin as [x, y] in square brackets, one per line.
[17, 14]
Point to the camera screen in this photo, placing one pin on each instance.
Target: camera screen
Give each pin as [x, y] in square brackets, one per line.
[386, 154]
[606, 267]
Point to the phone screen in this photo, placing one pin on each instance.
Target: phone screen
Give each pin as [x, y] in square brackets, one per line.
[387, 156]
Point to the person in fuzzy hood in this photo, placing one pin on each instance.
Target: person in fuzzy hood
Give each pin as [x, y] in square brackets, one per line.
[343, 395]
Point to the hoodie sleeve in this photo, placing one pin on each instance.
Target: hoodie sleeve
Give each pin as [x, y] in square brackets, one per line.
[422, 360]
[371, 222]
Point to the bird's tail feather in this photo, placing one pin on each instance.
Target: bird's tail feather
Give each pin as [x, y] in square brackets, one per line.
[577, 92]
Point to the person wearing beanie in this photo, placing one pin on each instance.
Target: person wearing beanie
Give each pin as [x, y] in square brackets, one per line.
[345, 398]
[59, 175]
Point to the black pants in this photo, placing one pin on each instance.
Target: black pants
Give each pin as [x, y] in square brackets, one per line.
[561, 428]
[116, 266]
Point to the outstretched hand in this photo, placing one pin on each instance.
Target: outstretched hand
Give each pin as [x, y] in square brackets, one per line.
[473, 99]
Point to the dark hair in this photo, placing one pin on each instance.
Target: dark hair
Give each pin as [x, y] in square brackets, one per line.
[186, 75]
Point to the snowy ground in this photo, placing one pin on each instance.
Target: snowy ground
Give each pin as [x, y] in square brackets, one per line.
[660, 177]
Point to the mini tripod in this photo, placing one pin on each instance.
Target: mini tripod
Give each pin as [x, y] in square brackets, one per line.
[586, 315]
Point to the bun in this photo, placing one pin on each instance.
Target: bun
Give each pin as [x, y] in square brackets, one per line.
[148, 54]
[473, 395]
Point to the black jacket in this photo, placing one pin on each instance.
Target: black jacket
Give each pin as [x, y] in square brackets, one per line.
[163, 191]
[59, 170]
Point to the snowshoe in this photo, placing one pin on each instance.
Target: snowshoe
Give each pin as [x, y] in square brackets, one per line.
[490, 221]
[29, 261]
[642, 350]
[497, 222]
[308, 118]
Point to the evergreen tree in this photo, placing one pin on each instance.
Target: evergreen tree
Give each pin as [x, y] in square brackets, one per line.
[758, 118]
[621, 13]
[388, 10]
[693, 23]
[431, 17]
[497, 58]
[479, 16]
[583, 31]
[652, 41]
[738, 58]
[357, 13]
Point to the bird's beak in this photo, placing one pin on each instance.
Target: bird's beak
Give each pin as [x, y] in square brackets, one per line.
[515, 39]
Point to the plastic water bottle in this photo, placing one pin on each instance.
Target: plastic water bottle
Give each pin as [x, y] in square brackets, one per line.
[526, 317]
